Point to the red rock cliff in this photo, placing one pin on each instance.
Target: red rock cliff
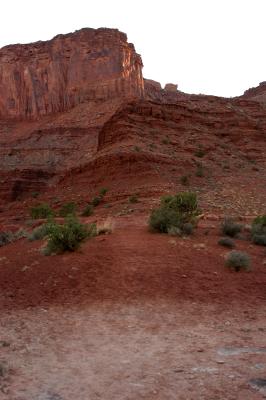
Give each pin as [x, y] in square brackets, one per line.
[53, 76]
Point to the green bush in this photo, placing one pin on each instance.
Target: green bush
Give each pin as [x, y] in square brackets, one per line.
[226, 242]
[103, 191]
[238, 260]
[88, 210]
[5, 238]
[41, 211]
[96, 201]
[67, 209]
[67, 236]
[175, 211]
[258, 230]
[230, 228]
[260, 240]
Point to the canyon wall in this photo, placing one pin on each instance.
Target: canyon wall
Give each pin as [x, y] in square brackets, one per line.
[53, 76]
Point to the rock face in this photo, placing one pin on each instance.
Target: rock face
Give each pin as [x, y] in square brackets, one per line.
[170, 87]
[170, 93]
[49, 77]
[257, 93]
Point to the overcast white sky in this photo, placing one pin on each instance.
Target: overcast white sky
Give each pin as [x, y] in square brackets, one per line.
[206, 46]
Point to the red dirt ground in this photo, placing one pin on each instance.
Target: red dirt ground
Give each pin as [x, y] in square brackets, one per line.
[132, 315]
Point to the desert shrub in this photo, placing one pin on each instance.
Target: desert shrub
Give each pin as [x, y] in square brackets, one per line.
[184, 180]
[103, 191]
[199, 171]
[166, 140]
[226, 242]
[9, 237]
[35, 194]
[67, 236]
[5, 238]
[258, 230]
[18, 235]
[88, 210]
[188, 228]
[238, 260]
[96, 201]
[260, 240]
[38, 233]
[174, 211]
[200, 152]
[41, 211]
[105, 227]
[67, 209]
[133, 199]
[230, 228]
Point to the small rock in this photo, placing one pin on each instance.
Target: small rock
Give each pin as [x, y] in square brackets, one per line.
[212, 217]
[199, 246]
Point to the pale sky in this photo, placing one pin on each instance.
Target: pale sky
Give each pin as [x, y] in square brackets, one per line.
[205, 46]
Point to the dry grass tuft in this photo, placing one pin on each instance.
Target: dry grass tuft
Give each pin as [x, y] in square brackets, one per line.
[105, 227]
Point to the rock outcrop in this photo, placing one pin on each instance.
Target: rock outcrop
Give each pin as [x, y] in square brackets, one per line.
[49, 77]
[257, 93]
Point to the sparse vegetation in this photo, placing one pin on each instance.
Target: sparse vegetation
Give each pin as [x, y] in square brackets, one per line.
[226, 242]
[35, 194]
[96, 201]
[105, 227]
[9, 237]
[67, 236]
[166, 140]
[38, 233]
[41, 211]
[199, 171]
[175, 212]
[237, 260]
[103, 191]
[133, 199]
[184, 180]
[200, 152]
[258, 230]
[67, 209]
[88, 211]
[230, 228]
[5, 238]
[188, 228]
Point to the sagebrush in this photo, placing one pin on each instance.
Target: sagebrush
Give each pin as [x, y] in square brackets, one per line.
[175, 211]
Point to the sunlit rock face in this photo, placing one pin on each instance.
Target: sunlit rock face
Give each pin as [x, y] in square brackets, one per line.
[49, 77]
